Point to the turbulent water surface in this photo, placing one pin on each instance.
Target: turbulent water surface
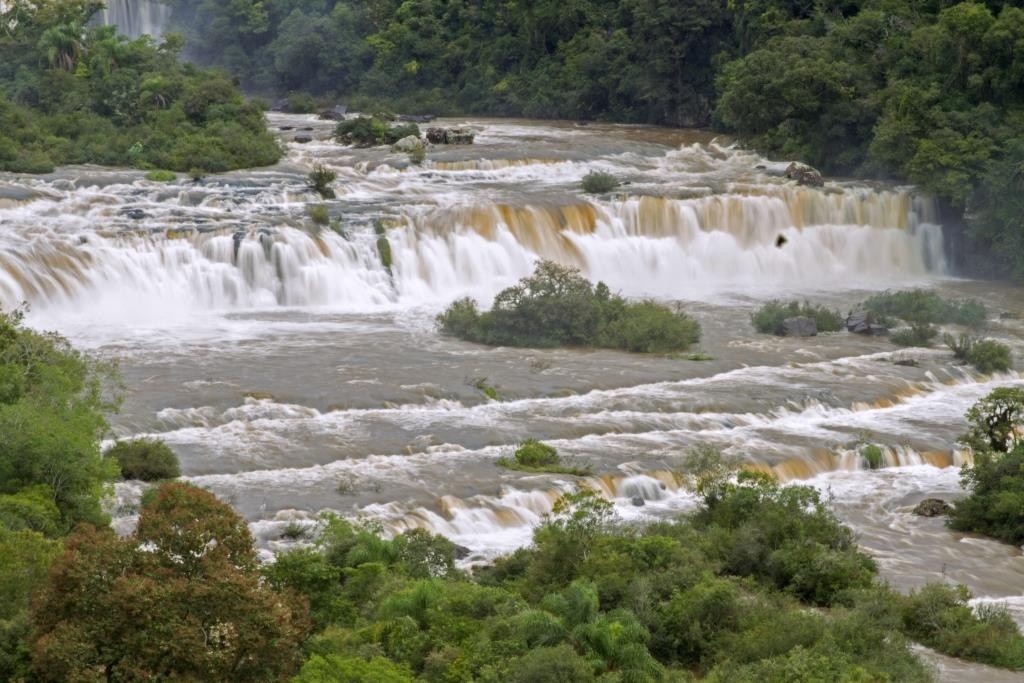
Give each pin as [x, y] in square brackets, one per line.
[294, 374]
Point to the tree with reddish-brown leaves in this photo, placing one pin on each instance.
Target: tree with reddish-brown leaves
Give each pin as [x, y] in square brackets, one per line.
[181, 599]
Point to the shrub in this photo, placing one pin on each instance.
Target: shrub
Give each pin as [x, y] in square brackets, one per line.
[918, 334]
[557, 306]
[649, 327]
[404, 130]
[367, 131]
[318, 214]
[301, 103]
[384, 251]
[320, 179]
[162, 176]
[769, 318]
[922, 306]
[940, 617]
[872, 455]
[598, 182]
[145, 459]
[990, 356]
[533, 453]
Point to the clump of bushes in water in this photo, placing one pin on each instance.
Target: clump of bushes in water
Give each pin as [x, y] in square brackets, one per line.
[925, 307]
[145, 459]
[367, 131]
[536, 456]
[873, 455]
[995, 504]
[320, 179]
[918, 334]
[557, 306]
[769, 318]
[599, 182]
[986, 355]
[161, 176]
[318, 214]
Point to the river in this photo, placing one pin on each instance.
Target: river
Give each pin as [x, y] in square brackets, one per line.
[293, 374]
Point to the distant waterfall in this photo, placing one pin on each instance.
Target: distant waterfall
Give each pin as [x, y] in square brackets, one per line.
[134, 18]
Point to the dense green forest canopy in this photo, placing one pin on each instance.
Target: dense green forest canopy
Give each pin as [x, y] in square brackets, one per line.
[73, 93]
[926, 91]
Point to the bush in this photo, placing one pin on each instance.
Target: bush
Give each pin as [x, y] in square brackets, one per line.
[990, 356]
[145, 459]
[384, 251]
[918, 334]
[533, 453]
[769, 318]
[557, 306]
[872, 455]
[598, 182]
[925, 307]
[404, 130]
[301, 103]
[318, 214]
[940, 617]
[368, 131]
[162, 176]
[320, 179]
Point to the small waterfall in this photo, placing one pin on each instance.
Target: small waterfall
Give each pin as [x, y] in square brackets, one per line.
[135, 18]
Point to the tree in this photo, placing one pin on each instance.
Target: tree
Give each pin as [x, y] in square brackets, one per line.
[181, 599]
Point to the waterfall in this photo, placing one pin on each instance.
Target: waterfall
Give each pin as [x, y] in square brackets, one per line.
[135, 18]
[646, 246]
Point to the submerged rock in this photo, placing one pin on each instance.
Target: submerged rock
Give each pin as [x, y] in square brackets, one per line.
[136, 214]
[804, 175]
[409, 144]
[799, 326]
[932, 507]
[639, 501]
[303, 139]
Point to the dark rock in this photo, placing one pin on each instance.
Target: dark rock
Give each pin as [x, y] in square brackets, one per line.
[932, 507]
[639, 501]
[906, 362]
[237, 240]
[804, 175]
[303, 139]
[136, 214]
[799, 326]
[878, 330]
[450, 136]
[781, 241]
[286, 128]
[308, 128]
[761, 167]
[462, 552]
[335, 113]
[417, 118]
[859, 323]
[1006, 315]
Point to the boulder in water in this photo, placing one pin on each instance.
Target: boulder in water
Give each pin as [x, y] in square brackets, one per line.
[462, 552]
[136, 214]
[409, 144]
[303, 139]
[639, 501]
[450, 136]
[800, 326]
[932, 507]
[335, 113]
[804, 175]
[863, 322]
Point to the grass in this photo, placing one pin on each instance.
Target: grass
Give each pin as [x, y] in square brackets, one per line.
[481, 384]
[161, 176]
[318, 214]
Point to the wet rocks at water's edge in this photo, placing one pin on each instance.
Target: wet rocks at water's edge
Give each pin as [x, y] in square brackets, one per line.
[932, 507]
[804, 175]
[450, 136]
[863, 322]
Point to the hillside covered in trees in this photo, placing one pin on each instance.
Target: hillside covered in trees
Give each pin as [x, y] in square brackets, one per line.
[927, 91]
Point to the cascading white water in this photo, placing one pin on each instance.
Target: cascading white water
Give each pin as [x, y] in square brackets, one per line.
[135, 18]
[671, 248]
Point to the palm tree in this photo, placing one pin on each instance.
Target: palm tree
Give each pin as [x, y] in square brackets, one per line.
[63, 45]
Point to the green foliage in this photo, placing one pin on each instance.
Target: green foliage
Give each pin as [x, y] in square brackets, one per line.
[145, 459]
[384, 252]
[557, 306]
[318, 214]
[872, 454]
[925, 307]
[33, 509]
[598, 182]
[162, 176]
[938, 616]
[72, 93]
[769, 318]
[301, 103]
[918, 334]
[333, 668]
[367, 131]
[53, 402]
[987, 355]
[320, 179]
[191, 561]
[535, 456]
